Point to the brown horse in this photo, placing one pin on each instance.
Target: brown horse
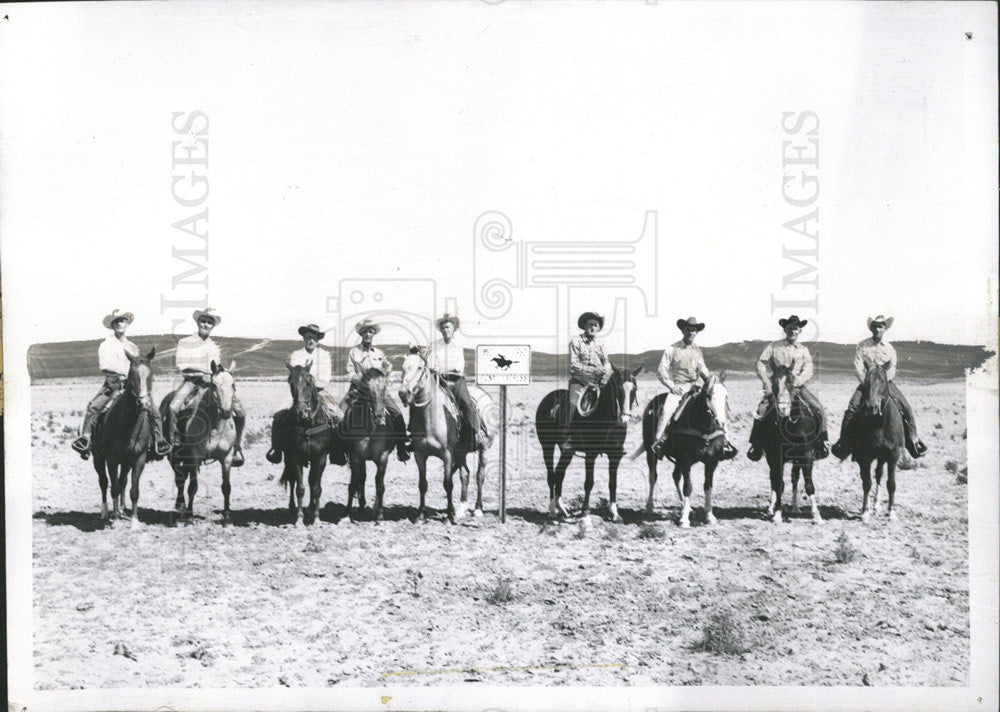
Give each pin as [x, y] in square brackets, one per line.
[696, 436]
[208, 432]
[122, 437]
[792, 431]
[878, 437]
[309, 435]
[600, 433]
[367, 435]
[434, 432]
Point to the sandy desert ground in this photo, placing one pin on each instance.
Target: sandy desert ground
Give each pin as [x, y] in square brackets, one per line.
[264, 604]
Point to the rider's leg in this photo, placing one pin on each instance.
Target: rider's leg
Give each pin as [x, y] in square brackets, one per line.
[721, 408]
[160, 446]
[822, 447]
[566, 414]
[469, 413]
[277, 437]
[914, 444]
[398, 426]
[842, 448]
[176, 406]
[94, 408]
[756, 450]
[666, 416]
[240, 419]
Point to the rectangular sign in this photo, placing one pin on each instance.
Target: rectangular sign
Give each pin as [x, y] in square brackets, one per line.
[503, 365]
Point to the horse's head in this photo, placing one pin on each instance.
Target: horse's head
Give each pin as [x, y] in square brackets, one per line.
[224, 388]
[781, 389]
[140, 376]
[626, 391]
[304, 395]
[414, 371]
[372, 391]
[875, 389]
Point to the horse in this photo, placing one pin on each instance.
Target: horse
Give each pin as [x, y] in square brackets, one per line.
[122, 438]
[791, 433]
[696, 436]
[434, 432]
[367, 435]
[208, 432]
[308, 437]
[602, 432]
[878, 437]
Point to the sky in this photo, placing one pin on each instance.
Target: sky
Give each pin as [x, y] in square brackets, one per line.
[517, 164]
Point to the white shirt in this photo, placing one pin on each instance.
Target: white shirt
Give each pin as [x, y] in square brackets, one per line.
[195, 354]
[681, 364]
[320, 367]
[360, 359]
[447, 358]
[111, 355]
[880, 354]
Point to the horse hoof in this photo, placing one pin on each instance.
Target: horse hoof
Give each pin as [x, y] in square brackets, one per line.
[478, 514]
[866, 517]
[893, 517]
[585, 522]
[776, 518]
[817, 518]
[135, 524]
[710, 519]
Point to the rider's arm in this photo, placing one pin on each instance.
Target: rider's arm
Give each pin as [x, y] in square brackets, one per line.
[805, 373]
[764, 367]
[577, 366]
[859, 362]
[890, 370]
[604, 370]
[663, 370]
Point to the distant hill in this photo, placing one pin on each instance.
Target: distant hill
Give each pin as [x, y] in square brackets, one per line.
[263, 358]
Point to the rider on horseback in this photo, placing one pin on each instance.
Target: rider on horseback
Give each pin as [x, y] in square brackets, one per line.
[446, 357]
[321, 369]
[589, 367]
[113, 361]
[793, 358]
[879, 352]
[363, 357]
[682, 370]
[194, 358]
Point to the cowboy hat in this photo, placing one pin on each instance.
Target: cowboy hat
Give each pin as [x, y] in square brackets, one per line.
[445, 319]
[312, 329]
[208, 313]
[115, 316]
[793, 320]
[886, 321]
[590, 315]
[682, 324]
[367, 324]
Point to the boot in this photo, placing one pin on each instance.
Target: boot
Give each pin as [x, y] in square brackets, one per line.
[82, 443]
[238, 456]
[729, 451]
[915, 447]
[842, 448]
[82, 446]
[273, 456]
[402, 442]
[822, 449]
[756, 451]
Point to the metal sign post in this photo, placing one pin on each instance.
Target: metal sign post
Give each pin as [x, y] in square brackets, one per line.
[503, 365]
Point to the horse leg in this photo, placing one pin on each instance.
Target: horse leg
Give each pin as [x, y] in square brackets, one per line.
[449, 483]
[480, 478]
[316, 468]
[180, 476]
[865, 466]
[380, 466]
[550, 473]
[588, 484]
[614, 460]
[807, 474]
[136, 474]
[225, 464]
[421, 459]
[890, 486]
[463, 503]
[685, 520]
[556, 508]
[876, 505]
[709, 477]
[300, 493]
[777, 489]
[102, 478]
[796, 472]
[678, 473]
[651, 463]
[192, 491]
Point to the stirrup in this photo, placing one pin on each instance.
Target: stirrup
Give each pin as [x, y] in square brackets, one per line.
[729, 451]
[82, 445]
[237, 460]
[821, 451]
[273, 456]
[755, 453]
[840, 450]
